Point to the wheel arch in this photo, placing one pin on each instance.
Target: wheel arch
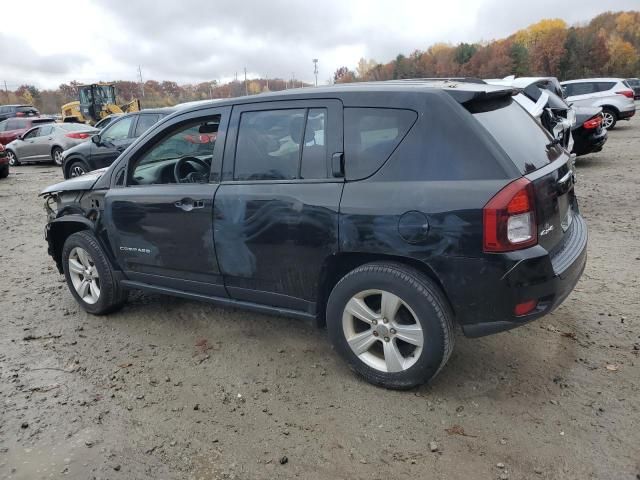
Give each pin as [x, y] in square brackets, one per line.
[67, 162]
[60, 229]
[338, 265]
[610, 107]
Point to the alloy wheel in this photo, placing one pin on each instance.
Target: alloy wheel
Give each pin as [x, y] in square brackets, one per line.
[12, 158]
[84, 275]
[607, 119]
[382, 331]
[57, 156]
[77, 170]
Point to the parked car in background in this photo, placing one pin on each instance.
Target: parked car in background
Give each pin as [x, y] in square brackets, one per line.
[105, 147]
[614, 95]
[543, 98]
[9, 111]
[589, 136]
[45, 143]
[4, 163]
[107, 120]
[13, 127]
[347, 206]
[634, 83]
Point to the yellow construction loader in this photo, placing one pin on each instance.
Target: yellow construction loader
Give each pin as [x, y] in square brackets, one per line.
[96, 101]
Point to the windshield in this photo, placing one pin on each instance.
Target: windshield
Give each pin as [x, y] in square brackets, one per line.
[519, 135]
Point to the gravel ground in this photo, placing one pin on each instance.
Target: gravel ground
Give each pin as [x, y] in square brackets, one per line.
[168, 388]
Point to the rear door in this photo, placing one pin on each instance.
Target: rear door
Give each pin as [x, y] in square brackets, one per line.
[581, 94]
[276, 211]
[42, 143]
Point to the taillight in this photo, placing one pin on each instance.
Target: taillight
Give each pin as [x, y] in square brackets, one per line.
[594, 122]
[626, 93]
[509, 221]
[525, 308]
[78, 135]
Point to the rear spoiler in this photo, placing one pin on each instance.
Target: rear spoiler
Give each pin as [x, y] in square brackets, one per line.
[483, 100]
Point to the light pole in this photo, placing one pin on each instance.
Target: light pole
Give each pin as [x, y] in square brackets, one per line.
[315, 69]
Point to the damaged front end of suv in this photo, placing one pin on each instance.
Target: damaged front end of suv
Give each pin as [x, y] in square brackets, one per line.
[71, 206]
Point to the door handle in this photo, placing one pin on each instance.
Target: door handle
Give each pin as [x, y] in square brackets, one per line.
[188, 204]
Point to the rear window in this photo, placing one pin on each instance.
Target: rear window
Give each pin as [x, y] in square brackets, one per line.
[36, 121]
[371, 135]
[519, 135]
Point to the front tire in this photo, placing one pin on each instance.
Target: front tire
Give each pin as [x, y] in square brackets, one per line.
[609, 118]
[391, 324]
[13, 160]
[89, 275]
[56, 155]
[77, 168]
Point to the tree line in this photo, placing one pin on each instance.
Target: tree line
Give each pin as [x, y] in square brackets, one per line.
[156, 94]
[609, 45]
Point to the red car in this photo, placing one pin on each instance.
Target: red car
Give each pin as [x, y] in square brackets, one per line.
[11, 128]
[4, 163]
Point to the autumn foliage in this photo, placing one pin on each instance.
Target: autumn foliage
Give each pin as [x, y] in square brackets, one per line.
[609, 45]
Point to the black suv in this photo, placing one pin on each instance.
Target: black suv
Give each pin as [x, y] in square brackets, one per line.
[387, 211]
[9, 111]
[103, 149]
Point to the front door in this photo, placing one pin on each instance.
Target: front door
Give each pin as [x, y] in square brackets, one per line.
[160, 222]
[276, 211]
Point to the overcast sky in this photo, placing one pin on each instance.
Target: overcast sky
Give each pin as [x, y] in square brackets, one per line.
[190, 41]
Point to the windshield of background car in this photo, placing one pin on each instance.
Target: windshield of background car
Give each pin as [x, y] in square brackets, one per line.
[519, 135]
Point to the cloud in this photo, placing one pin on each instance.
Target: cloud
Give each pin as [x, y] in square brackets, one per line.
[20, 57]
[200, 40]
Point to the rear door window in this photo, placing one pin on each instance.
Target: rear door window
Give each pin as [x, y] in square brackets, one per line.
[519, 134]
[118, 130]
[145, 122]
[46, 130]
[268, 146]
[582, 88]
[370, 137]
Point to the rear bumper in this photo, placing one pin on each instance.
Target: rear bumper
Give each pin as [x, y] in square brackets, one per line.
[626, 114]
[588, 141]
[485, 291]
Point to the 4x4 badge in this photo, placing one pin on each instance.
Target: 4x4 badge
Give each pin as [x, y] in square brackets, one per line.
[547, 229]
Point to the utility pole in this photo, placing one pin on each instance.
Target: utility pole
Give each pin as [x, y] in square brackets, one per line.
[315, 69]
[140, 76]
[6, 90]
[246, 87]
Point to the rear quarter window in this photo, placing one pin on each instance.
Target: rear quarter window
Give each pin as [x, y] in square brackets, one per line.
[371, 135]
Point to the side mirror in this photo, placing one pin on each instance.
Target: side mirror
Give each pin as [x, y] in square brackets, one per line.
[96, 139]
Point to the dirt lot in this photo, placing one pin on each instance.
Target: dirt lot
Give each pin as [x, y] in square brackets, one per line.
[169, 388]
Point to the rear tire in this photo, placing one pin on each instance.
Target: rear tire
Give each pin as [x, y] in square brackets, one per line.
[77, 168]
[89, 275]
[609, 118]
[4, 171]
[394, 350]
[13, 160]
[56, 155]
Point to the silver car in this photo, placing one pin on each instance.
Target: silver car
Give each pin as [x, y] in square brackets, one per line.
[45, 143]
[614, 95]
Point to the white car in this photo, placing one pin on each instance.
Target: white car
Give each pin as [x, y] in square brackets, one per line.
[614, 95]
